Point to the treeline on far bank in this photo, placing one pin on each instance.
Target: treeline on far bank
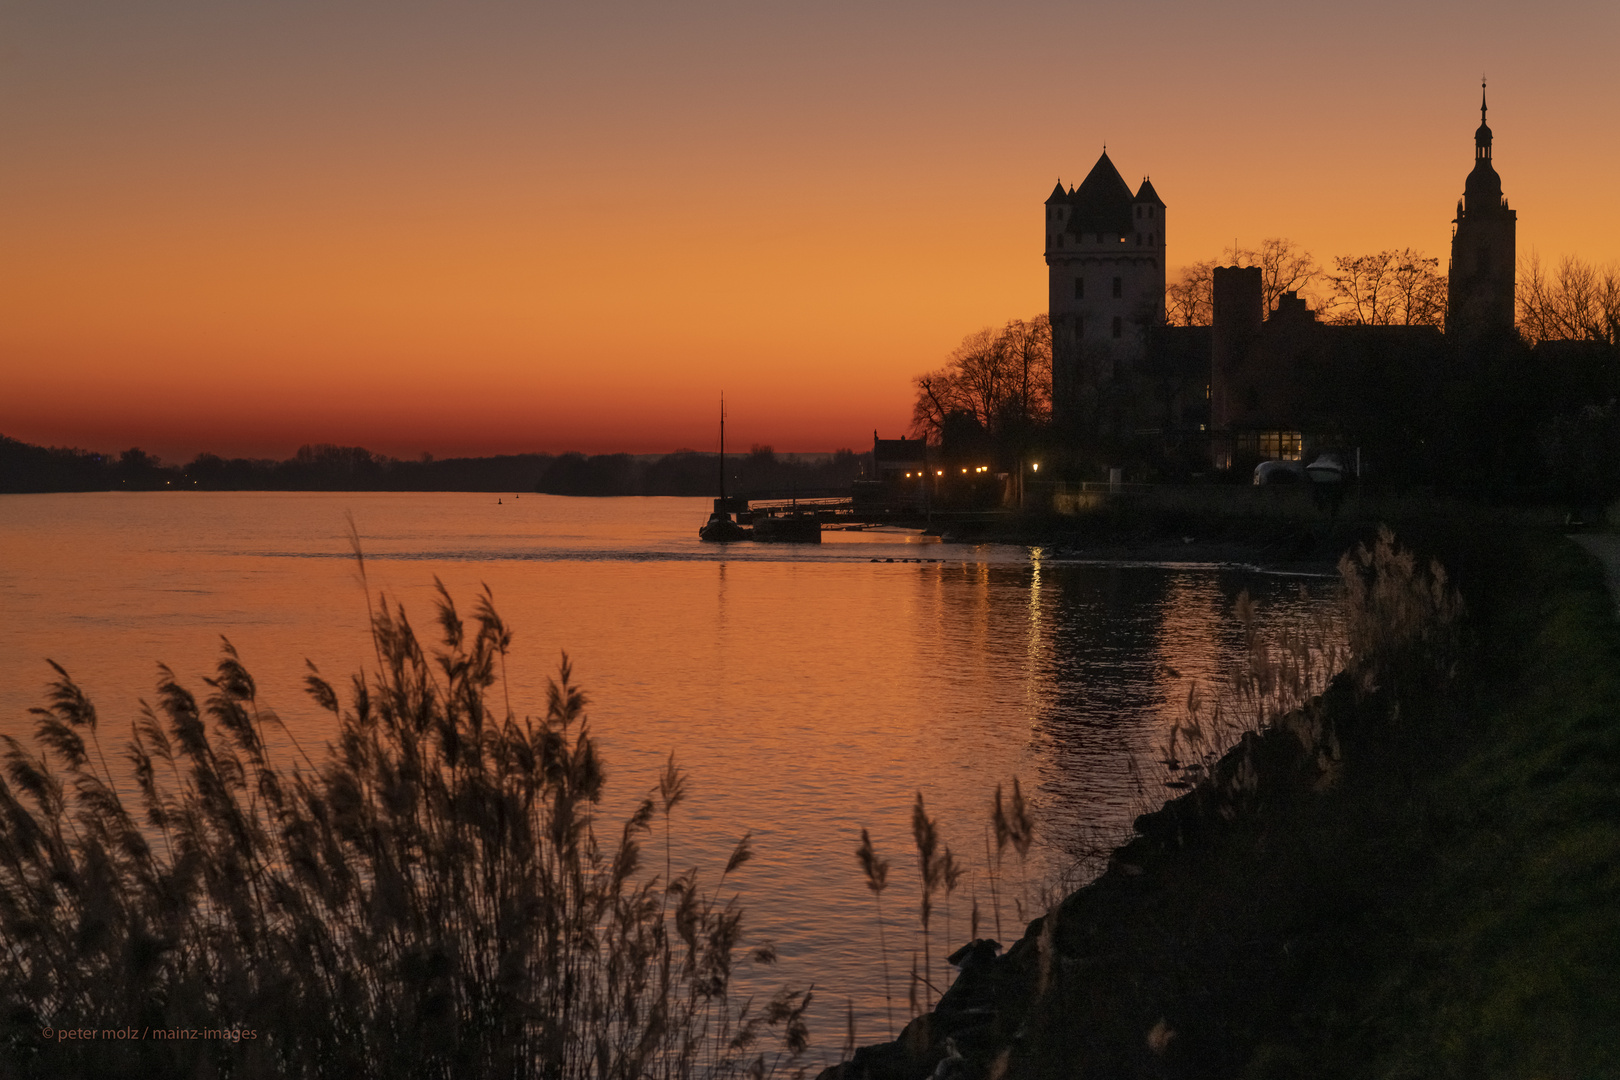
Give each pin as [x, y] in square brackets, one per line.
[25, 468]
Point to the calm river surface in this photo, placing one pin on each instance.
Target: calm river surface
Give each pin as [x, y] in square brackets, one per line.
[809, 691]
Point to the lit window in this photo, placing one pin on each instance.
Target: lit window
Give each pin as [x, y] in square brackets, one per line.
[1283, 445]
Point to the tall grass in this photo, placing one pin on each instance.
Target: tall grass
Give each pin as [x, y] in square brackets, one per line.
[1390, 609]
[1396, 621]
[434, 897]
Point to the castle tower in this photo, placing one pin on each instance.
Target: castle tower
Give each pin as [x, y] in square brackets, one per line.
[1105, 269]
[1480, 289]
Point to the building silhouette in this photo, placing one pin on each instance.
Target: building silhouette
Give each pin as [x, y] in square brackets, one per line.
[1479, 300]
[1105, 268]
[1255, 384]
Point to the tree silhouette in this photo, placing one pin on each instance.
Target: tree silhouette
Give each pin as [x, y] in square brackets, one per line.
[1576, 302]
[1000, 378]
[1390, 288]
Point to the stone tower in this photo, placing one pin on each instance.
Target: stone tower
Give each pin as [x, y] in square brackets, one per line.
[1480, 289]
[1105, 268]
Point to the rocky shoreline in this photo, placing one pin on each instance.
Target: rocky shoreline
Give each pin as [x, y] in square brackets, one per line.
[1412, 875]
[985, 1023]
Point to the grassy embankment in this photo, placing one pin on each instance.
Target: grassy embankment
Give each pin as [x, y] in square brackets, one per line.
[1427, 885]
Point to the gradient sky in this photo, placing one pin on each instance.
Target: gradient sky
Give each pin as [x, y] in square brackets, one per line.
[243, 225]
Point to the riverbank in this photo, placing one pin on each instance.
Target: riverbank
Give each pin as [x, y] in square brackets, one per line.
[1427, 885]
[1283, 526]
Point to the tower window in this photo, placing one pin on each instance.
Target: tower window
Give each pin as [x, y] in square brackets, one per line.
[1138, 239]
[1150, 239]
[1139, 213]
[1079, 288]
[1119, 326]
[1119, 289]
[1151, 210]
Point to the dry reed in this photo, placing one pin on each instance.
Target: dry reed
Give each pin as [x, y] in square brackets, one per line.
[432, 899]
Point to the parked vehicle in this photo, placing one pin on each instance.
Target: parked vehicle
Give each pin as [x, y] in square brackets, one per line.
[1326, 469]
[1279, 472]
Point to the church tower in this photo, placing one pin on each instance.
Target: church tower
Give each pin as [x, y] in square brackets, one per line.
[1480, 289]
[1105, 290]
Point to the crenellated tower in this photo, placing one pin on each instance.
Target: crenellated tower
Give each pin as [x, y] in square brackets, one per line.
[1105, 268]
[1480, 287]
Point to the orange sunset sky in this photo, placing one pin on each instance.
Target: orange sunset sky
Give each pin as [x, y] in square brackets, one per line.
[497, 227]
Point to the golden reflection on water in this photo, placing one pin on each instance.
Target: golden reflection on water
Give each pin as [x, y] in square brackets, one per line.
[809, 691]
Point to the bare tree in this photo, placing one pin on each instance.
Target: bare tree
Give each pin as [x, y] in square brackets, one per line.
[1420, 289]
[1361, 289]
[1284, 267]
[1578, 301]
[1002, 378]
[1389, 288]
[1190, 299]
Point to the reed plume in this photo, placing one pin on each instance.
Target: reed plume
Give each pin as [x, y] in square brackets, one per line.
[930, 867]
[433, 898]
[877, 879]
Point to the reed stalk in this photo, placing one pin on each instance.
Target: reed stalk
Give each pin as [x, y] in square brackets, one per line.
[926, 836]
[876, 871]
[433, 898]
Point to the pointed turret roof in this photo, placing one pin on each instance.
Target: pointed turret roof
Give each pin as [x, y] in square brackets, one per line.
[1483, 188]
[1482, 135]
[1102, 203]
[1058, 194]
[1146, 194]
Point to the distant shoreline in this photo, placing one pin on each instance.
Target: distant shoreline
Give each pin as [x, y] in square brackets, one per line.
[28, 469]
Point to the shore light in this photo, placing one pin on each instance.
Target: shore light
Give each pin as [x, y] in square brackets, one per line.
[1036, 467]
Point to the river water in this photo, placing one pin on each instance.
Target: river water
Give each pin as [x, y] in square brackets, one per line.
[809, 691]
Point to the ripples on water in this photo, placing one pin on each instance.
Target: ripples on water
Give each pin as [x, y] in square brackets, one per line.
[809, 691]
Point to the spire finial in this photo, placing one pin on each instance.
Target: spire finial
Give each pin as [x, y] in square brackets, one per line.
[1482, 99]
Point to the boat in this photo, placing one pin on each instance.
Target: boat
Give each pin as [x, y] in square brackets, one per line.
[721, 528]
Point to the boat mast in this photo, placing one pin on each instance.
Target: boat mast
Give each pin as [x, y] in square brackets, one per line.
[722, 451]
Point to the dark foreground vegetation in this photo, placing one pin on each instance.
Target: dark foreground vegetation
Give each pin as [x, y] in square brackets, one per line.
[432, 898]
[1416, 874]
[30, 469]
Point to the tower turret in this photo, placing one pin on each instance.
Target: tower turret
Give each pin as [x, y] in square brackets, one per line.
[1105, 259]
[1480, 290]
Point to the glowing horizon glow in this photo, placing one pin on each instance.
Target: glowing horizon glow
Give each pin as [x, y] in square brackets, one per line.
[418, 228]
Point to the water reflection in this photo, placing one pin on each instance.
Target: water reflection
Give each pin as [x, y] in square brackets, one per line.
[809, 692]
